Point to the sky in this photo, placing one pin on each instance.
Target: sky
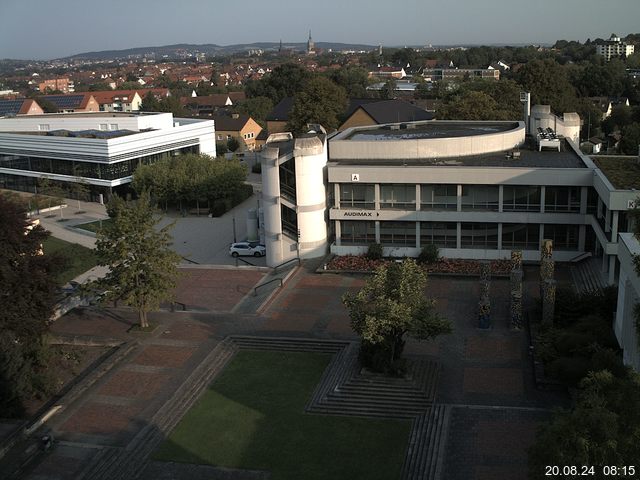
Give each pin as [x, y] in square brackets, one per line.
[42, 29]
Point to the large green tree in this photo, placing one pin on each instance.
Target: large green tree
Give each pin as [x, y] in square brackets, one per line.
[284, 81]
[602, 429]
[142, 265]
[27, 290]
[354, 79]
[549, 84]
[321, 101]
[257, 108]
[393, 304]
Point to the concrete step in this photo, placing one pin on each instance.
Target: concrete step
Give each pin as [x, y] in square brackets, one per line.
[425, 453]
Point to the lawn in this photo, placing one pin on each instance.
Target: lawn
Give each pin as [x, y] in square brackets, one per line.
[94, 226]
[252, 417]
[79, 259]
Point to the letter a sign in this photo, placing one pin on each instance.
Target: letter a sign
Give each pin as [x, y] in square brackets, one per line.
[355, 177]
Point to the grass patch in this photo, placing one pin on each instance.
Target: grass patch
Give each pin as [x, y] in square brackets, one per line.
[78, 259]
[252, 417]
[622, 172]
[94, 226]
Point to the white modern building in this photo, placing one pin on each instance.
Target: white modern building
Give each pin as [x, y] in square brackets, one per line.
[100, 149]
[614, 48]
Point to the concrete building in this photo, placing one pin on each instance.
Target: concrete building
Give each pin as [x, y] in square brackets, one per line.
[118, 100]
[461, 73]
[614, 48]
[101, 150]
[625, 325]
[63, 85]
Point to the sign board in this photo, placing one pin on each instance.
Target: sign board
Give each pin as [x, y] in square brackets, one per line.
[361, 213]
[355, 177]
[631, 204]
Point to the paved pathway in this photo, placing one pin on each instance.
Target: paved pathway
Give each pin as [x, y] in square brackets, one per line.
[486, 382]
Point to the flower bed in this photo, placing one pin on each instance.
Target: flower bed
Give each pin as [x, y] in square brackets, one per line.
[444, 265]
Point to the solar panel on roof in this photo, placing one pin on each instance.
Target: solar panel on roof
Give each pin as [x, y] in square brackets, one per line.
[65, 101]
[10, 107]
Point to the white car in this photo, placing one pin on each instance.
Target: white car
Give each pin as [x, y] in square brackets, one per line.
[250, 249]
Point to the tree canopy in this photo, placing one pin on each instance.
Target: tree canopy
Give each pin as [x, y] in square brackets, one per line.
[190, 178]
[321, 101]
[393, 304]
[142, 266]
[284, 81]
[602, 429]
[27, 286]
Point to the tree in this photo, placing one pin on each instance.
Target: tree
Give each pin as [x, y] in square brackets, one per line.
[284, 81]
[392, 304]
[233, 144]
[353, 79]
[602, 429]
[389, 89]
[630, 141]
[321, 101]
[142, 266]
[27, 287]
[549, 84]
[257, 108]
[471, 105]
[150, 103]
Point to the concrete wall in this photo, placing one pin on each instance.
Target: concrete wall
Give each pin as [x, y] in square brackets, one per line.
[344, 148]
[628, 296]
[83, 121]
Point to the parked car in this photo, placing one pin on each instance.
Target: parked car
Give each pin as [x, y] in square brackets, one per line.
[250, 249]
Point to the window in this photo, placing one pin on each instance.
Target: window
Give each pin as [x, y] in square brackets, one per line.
[520, 236]
[103, 126]
[219, 137]
[565, 237]
[562, 199]
[357, 233]
[398, 234]
[113, 126]
[480, 235]
[357, 196]
[43, 127]
[520, 198]
[228, 137]
[398, 196]
[480, 197]
[289, 222]
[441, 234]
[288, 179]
[439, 197]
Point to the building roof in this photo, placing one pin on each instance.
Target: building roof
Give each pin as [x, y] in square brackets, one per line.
[390, 111]
[529, 158]
[110, 96]
[69, 101]
[230, 123]
[622, 171]
[15, 107]
[281, 111]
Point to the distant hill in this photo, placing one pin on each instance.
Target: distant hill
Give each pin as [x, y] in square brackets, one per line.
[179, 50]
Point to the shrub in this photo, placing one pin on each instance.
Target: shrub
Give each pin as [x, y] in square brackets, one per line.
[375, 251]
[218, 208]
[569, 370]
[429, 254]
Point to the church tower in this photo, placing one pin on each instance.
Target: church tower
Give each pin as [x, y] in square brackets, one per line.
[311, 46]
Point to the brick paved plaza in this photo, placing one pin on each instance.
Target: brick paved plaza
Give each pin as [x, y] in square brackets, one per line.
[486, 376]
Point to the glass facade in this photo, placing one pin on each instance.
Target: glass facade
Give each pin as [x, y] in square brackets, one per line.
[357, 196]
[565, 237]
[289, 221]
[398, 234]
[562, 199]
[398, 196]
[480, 197]
[357, 233]
[480, 235]
[517, 198]
[441, 234]
[288, 180]
[79, 168]
[438, 197]
[520, 236]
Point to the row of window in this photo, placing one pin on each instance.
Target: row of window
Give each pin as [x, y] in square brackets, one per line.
[474, 197]
[76, 168]
[472, 234]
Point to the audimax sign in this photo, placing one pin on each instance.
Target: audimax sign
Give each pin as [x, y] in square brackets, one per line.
[360, 214]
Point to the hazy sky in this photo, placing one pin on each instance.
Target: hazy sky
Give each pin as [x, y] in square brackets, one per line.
[42, 29]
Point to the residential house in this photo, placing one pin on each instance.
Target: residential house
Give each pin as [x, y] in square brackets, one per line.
[75, 102]
[241, 127]
[21, 106]
[208, 105]
[279, 117]
[62, 84]
[364, 112]
[118, 100]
